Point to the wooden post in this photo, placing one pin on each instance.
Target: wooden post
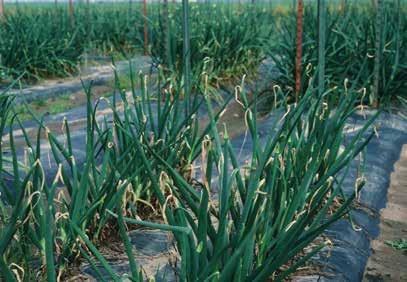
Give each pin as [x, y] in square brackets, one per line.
[1, 9]
[145, 27]
[379, 52]
[298, 57]
[71, 12]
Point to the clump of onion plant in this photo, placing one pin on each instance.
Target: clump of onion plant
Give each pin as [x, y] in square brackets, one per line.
[251, 221]
[88, 200]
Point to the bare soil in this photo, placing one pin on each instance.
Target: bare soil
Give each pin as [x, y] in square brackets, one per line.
[387, 263]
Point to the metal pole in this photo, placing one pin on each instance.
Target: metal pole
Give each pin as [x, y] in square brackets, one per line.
[298, 57]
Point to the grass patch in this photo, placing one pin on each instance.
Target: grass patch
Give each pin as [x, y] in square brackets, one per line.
[400, 244]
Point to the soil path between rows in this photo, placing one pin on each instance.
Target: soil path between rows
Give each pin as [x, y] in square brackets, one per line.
[387, 263]
[99, 74]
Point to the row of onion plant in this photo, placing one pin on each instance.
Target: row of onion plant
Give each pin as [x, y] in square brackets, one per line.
[351, 49]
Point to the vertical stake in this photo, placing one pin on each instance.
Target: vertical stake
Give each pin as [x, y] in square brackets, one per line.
[167, 38]
[321, 45]
[88, 19]
[1, 9]
[298, 57]
[145, 27]
[186, 55]
[71, 12]
[379, 51]
[344, 4]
